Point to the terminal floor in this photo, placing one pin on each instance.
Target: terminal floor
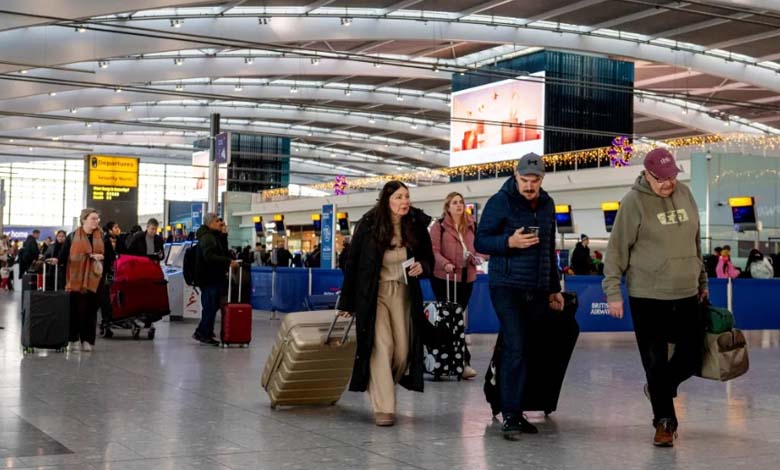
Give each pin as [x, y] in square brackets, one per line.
[173, 404]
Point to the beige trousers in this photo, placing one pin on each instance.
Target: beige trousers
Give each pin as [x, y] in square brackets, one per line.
[391, 345]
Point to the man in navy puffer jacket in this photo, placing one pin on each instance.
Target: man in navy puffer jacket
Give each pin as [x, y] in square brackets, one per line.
[517, 230]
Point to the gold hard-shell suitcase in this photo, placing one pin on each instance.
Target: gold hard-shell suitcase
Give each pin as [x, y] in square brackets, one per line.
[311, 360]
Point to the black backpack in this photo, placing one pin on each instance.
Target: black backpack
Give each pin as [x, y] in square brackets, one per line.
[190, 265]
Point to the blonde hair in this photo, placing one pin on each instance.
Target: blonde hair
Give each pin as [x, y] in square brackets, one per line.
[447, 201]
[86, 213]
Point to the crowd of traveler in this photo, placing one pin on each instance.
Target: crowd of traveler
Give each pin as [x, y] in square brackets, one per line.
[655, 244]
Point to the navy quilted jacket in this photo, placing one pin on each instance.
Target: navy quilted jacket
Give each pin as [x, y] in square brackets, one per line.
[533, 268]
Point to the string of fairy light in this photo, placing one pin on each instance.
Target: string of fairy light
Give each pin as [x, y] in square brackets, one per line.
[563, 160]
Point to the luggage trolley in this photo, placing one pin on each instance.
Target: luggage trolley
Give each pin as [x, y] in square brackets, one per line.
[138, 297]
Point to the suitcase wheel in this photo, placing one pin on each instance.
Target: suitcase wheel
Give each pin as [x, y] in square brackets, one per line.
[547, 413]
[28, 350]
[273, 406]
[136, 332]
[150, 333]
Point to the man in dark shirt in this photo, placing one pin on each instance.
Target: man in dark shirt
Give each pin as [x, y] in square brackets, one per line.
[148, 243]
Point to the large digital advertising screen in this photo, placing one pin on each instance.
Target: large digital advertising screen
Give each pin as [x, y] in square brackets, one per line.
[498, 121]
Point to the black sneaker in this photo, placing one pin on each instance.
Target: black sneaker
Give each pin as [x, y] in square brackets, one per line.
[511, 429]
[526, 427]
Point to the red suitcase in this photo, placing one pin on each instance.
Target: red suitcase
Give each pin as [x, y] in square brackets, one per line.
[139, 289]
[137, 268]
[236, 318]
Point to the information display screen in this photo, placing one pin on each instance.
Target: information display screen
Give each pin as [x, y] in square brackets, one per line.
[112, 188]
[609, 219]
[744, 215]
[563, 220]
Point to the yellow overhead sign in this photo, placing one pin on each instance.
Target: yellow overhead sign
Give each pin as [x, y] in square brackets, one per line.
[113, 171]
[562, 209]
[610, 206]
[745, 201]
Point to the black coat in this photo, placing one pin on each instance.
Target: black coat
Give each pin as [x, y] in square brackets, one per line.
[137, 245]
[28, 254]
[580, 260]
[359, 296]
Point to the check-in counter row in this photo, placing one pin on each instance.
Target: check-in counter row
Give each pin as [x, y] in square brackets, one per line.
[753, 301]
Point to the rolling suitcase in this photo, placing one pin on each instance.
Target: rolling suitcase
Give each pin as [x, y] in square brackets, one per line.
[139, 289]
[307, 366]
[45, 316]
[549, 349]
[320, 302]
[236, 317]
[445, 355]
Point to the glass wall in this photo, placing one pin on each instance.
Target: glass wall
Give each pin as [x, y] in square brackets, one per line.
[50, 193]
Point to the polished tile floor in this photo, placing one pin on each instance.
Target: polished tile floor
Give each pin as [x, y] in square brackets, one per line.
[173, 404]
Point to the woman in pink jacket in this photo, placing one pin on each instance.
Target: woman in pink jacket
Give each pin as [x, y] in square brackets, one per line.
[726, 269]
[452, 237]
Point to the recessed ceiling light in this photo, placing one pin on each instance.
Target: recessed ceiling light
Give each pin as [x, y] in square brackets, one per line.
[52, 93]
[178, 61]
[176, 23]
[249, 60]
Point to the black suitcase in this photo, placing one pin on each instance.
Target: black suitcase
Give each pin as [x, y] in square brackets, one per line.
[549, 349]
[45, 317]
[445, 351]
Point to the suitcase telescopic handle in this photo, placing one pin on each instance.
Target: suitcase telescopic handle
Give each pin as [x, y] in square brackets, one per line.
[454, 286]
[230, 282]
[346, 330]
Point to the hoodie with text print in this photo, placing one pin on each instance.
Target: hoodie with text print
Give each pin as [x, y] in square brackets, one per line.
[655, 242]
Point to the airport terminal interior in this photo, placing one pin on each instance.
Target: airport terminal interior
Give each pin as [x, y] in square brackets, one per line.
[286, 118]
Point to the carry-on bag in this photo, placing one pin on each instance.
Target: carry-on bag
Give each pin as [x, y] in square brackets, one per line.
[139, 289]
[45, 317]
[445, 353]
[236, 317]
[550, 343]
[725, 355]
[311, 360]
[717, 319]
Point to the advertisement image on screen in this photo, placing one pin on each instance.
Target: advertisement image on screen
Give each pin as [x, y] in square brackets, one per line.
[498, 121]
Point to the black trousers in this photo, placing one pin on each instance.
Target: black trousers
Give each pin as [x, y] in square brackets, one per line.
[656, 324]
[83, 316]
[439, 287]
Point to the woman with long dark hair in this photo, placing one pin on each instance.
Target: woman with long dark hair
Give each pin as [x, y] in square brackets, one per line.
[453, 246]
[386, 298]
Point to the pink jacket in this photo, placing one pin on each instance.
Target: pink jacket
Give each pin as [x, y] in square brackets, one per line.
[448, 250]
[726, 269]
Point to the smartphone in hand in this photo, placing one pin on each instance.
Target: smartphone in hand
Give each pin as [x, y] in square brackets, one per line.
[531, 230]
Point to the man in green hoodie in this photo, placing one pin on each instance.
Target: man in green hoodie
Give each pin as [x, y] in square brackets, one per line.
[655, 242]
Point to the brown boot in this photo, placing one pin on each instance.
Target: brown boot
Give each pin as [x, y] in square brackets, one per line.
[384, 419]
[664, 433]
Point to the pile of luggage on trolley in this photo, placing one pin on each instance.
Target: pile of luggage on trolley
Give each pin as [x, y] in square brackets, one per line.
[134, 298]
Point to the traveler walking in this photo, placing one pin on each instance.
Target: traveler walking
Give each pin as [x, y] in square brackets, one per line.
[581, 262]
[385, 296]
[211, 275]
[517, 230]
[112, 231]
[281, 256]
[52, 257]
[82, 255]
[452, 238]
[655, 243]
[29, 252]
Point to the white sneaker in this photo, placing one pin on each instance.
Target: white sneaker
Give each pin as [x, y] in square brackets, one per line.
[86, 347]
[73, 346]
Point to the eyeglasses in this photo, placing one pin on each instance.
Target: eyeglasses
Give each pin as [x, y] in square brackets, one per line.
[665, 180]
